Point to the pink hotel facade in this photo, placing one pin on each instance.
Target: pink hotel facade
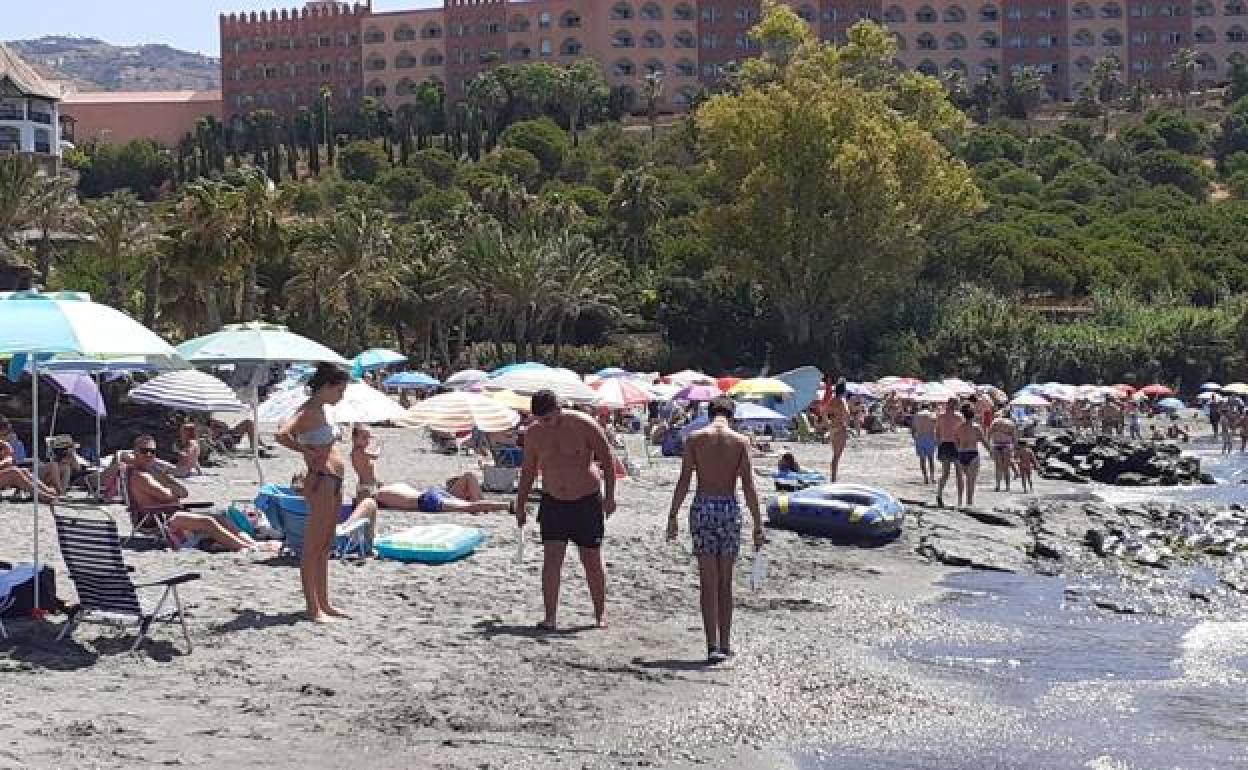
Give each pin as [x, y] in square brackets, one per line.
[279, 59]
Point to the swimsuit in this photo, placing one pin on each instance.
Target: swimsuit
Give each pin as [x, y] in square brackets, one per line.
[968, 456]
[432, 500]
[947, 452]
[925, 446]
[581, 521]
[715, 524]
[323, 436]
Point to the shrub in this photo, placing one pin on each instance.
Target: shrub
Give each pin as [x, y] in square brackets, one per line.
[362, 161]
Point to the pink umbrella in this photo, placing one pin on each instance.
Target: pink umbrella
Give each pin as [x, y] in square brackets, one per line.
[697, 393]
[1156, 390]
[621, 393]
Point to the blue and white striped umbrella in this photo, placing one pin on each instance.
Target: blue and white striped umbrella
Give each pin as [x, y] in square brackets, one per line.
[190, 390]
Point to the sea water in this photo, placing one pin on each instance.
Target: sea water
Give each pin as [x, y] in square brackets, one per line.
[1093, 690]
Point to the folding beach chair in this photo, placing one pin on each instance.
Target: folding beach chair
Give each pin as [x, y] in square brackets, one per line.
[288, 511]
[152, 520]
[91, 549]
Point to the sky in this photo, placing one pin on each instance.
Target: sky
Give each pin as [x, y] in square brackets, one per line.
[187, 24]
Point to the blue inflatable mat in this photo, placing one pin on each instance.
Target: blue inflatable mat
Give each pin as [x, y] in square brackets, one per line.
[846, 511]
[429, 543]
[789, 480]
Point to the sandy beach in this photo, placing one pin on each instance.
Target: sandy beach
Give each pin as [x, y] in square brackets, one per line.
[441, 668]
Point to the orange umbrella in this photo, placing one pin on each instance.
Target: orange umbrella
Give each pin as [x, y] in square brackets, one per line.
[725, 383]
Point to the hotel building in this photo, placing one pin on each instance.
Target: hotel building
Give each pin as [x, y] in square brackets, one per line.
[280, 59]
[30, 121]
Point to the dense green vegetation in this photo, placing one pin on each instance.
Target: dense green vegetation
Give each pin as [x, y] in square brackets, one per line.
[825, 207]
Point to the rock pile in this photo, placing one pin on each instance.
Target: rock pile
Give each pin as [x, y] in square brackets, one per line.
[1110, 461]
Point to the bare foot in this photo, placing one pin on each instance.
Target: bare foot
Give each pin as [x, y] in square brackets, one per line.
[320, 617]
[334, 612]
[602, 621]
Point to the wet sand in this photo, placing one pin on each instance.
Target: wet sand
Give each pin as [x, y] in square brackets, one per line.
[441, 667]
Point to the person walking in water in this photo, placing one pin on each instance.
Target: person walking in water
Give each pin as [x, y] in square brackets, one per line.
[923, 429]
[947, 425]
[311, 434]
[577, 497]
[720, 457]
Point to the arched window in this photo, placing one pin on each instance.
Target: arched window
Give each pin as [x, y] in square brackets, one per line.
[1082, 39]
[651, 39]
[989, 67]
[433, 58]
[925, 42]
[1234, 8]
[1111, 11]
[376, 89]
[956, 65]
[928, 67]
[403, 33]
[623, 68]
[519, 52]
[1083, 64]
[895, 14]
[431, 31]
[989, 13]
[1082, 11]
[1202, 8]
[571, 47]
[518, 23]
[404, 61]
[686, 68]
[989, 39]
[1236, 34]
[1111, 37]
[375, 64]
[683, 39]
[954, 15]
[374, 35]
[570, 20]
[622, 39]
[925, 15]
[1204, 35]
[621, 12]
[651, 12]
[655, 66]
[955, 42]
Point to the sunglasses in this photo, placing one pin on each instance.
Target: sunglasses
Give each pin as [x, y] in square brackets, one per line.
[147, 450]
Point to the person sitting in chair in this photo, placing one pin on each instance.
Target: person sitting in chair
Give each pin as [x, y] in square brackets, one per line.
[462, 494]
[13, 477]
[188, 452]
[154, 489]
[63, 466]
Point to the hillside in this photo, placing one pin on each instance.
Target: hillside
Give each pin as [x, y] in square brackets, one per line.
[94, 65]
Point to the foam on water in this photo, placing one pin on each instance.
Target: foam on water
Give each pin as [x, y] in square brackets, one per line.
[1213, 653]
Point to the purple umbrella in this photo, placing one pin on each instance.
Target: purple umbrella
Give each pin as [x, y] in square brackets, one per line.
[698, 393]
[81, 388]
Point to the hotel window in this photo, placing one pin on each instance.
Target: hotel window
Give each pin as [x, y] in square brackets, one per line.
[546, 47]
[743, 15]
[683, 12]
[431, 32]
[1204, 35]
[1111, 11]
[651, 12]
[1046, 14]
[1139, 10]
[519, 52]
[831, 15]
[403, 33]
[374, 35]
[895, 15]
[1207, 63]
[324, 41]
[433, 58]
[1202, 8]
[570, 20]
[1046, 41]
[686, 68]
[925, 15]
[1172, 11]
[1111, 38]
[925, 42]
[622, 39]
[1236, 34]
[989, 13]
[571, 47]
[989, 40]
[518, 24]
[1139, 38]
[954, 14]
[651, 39]
[1235, 9]
[955, 42]
[405, 61]
[807, 14]
[711, 15]
[1081, 11]
[710, 40]
[624, 68]
[683, 39]
[1017, 41]
[1083, 39]
[621, 12]
[655, 67]
[1014, 13]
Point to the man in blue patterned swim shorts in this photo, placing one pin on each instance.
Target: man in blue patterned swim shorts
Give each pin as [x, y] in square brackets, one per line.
[720, 456]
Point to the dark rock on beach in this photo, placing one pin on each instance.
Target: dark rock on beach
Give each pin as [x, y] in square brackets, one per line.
[1107, 460]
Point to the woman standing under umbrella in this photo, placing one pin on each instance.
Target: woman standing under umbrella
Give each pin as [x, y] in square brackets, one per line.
[311, 434]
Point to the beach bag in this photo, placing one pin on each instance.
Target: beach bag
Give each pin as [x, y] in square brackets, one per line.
[18, 581]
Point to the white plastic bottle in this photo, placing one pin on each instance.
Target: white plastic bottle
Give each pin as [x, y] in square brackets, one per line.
[758, 570]
[519, 545]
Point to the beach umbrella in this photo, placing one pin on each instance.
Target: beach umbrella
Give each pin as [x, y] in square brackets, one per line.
[461, 380]
[512, 400]
[690, 377]
[361, 403]
[1236, 388]
[697, 393]
[749, 412]
[1210, 386]
[35, 323]
[1209, 396]
[1170, 404]
[621, 393]
[375, 358]
[410, 381]
[525, 366]
[1029, 399]
[613, 371]
[761, 386]
[81, 388]
[959, 387]
[726, 383]
[566, 385]
[1156, 390]
[190, 390]
[256, 343]
[663, 392]
[933, 393]
[859, 389]
[1125, 389]
[453, 412]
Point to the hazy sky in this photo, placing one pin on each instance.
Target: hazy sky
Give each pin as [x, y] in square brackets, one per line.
[187, 24]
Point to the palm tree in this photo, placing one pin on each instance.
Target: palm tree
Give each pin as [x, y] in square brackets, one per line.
[201, 261]
[52, 206]
[260, 234]
[635, 206]
[327, 95]
[652, 93]
[487, 98]
[117, 233]
[18, 178]
[1027, 88]
[430, 106]
[1184, 63]
[585, 276]
[1106, 79]
[578, 86]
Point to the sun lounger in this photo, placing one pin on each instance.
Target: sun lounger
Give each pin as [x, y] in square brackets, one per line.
[288, 512]
[92, 553]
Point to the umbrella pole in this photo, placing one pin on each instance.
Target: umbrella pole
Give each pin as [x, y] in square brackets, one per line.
[255, 441]
[34, 453]
[99, 461]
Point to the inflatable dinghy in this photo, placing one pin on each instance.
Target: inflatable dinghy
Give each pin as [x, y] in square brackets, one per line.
[841, 511]
[430, 543]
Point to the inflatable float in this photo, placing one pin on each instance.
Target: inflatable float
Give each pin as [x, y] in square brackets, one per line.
[842, 511]
[430, 543]
[791, 481]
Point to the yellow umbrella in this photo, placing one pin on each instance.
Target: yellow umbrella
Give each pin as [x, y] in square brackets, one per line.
[761, 386]
[512, 400]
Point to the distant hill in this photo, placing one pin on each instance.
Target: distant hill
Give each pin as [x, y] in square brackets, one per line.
[94, 65]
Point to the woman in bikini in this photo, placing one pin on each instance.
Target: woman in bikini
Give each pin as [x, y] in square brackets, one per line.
[311, 434]
[837, 411]
[968, 438]
[1003, 436]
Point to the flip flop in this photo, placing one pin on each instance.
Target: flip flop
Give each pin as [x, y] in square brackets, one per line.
[544, 626]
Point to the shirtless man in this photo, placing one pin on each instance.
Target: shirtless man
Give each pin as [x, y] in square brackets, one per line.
[154, 489]
[720, 456]
[576, 497]
[947, 425]
[923, 429]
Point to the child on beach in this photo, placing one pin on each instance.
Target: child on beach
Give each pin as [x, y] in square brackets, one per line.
[1025, 459]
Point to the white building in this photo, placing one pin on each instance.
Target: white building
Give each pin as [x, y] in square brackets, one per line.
[29, 113]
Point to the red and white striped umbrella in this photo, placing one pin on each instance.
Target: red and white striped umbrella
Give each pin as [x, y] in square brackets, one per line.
[621, 393]
[452, 412]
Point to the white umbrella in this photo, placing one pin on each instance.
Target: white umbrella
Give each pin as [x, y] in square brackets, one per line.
[622, 393]
[461, 380]
[566, 385]
[664, 392]
[33, 323]
[690, 377]
[453, 412]
[190, 390]
[360, 403]
[1029, 399]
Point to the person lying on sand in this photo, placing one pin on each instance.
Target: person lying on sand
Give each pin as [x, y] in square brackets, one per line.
[462, 494]
[151, 488]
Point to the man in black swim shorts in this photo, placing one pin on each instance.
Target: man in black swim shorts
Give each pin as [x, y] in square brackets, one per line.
[571, 452]
[947, 425]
